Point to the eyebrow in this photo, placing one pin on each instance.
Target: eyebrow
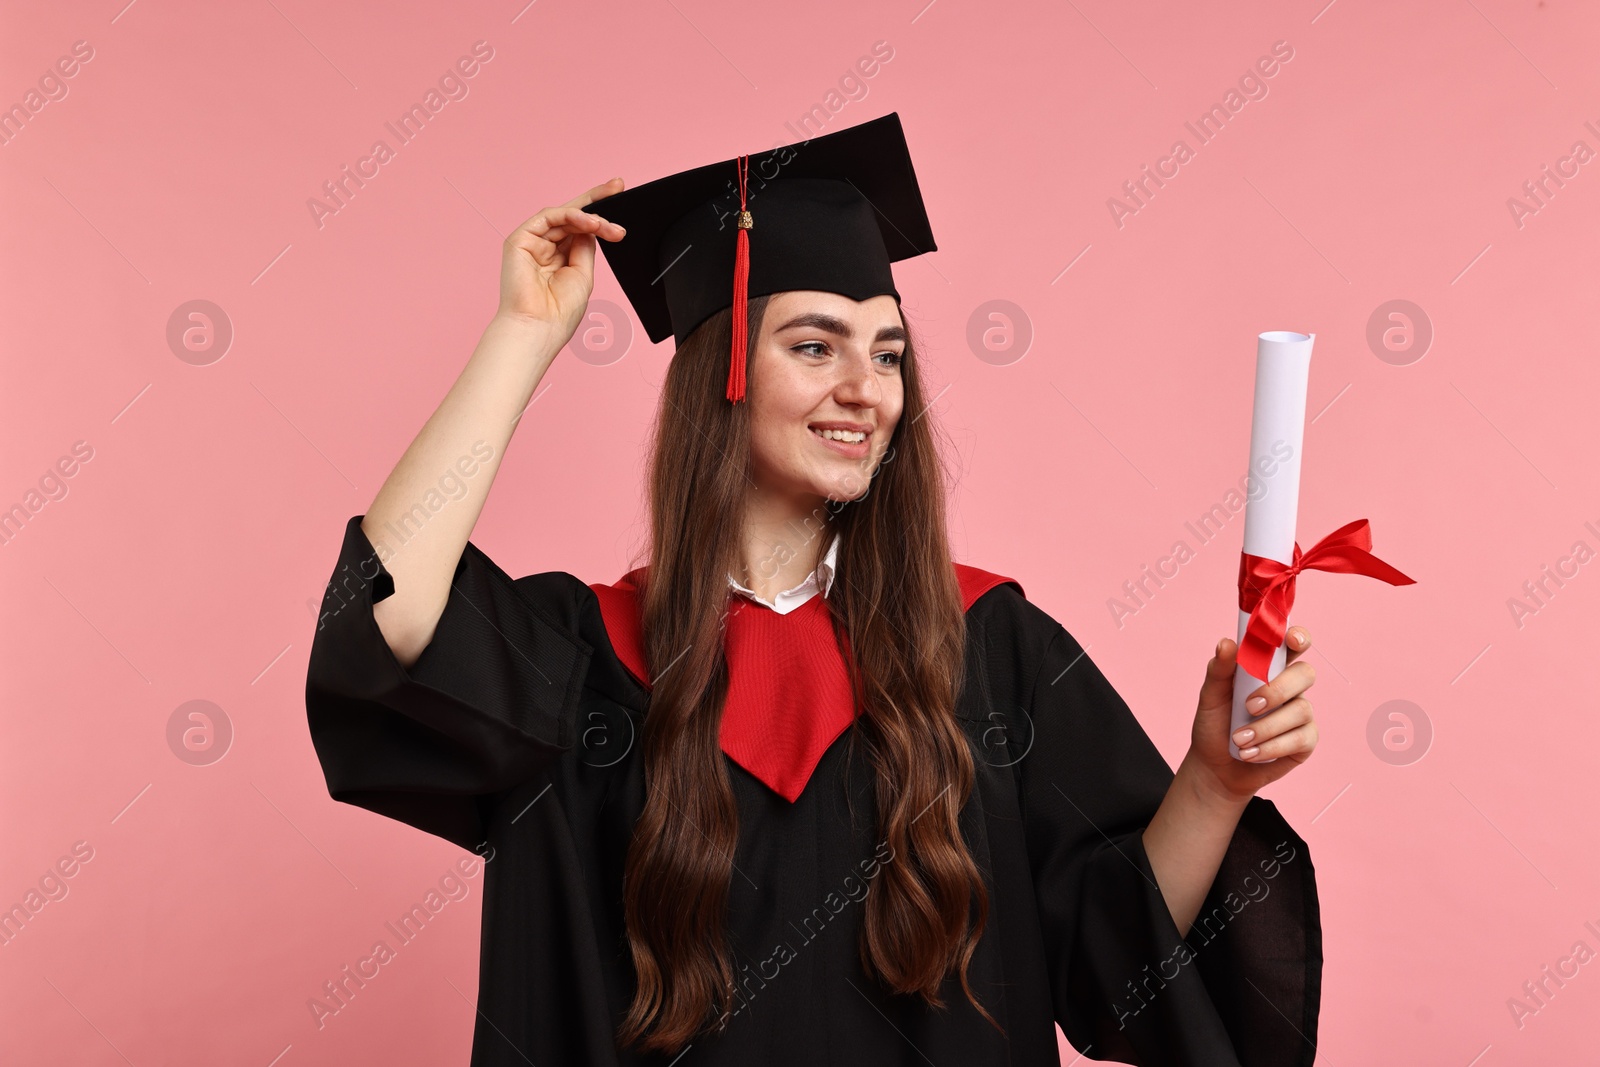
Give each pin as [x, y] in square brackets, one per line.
[819, 321]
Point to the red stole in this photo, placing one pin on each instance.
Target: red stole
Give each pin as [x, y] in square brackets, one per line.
[789, 692]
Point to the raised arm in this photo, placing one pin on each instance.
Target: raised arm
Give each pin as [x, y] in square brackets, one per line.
[1194, 826]
[546, 276]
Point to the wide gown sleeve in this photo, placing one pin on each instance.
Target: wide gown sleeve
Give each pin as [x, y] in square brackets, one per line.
[1244, 986]
[490, 702]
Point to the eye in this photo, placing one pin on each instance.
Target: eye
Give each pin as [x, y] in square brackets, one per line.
[820, 348]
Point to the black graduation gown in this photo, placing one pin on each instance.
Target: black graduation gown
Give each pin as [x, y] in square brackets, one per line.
[514, 733]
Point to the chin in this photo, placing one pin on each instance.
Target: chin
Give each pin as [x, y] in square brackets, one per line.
[842, 495]
[849, 485]
[844, 481]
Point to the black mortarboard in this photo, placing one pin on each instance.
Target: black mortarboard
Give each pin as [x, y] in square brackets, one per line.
[830, 213]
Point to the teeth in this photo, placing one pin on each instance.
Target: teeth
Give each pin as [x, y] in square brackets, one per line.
[852, 436]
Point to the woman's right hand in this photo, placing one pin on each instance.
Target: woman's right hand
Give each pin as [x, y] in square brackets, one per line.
[547, 264]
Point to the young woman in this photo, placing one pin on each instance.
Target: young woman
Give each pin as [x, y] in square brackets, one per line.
[800, 790]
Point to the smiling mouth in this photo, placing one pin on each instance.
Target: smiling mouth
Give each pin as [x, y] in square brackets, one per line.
[847, 437]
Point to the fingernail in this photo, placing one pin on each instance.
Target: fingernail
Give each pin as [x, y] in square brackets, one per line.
[1248, 753]
[1255, 703]
[1243, 736]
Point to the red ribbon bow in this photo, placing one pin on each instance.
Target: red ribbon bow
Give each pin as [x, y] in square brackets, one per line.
[1266, 587]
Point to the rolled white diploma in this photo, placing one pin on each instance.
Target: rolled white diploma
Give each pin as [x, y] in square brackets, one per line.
[1277, 424]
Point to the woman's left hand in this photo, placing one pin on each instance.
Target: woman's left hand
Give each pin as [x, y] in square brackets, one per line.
[1284, 729]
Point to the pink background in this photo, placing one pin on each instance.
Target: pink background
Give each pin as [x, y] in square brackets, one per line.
[184, 561]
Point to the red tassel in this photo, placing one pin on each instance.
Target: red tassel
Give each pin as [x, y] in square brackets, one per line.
[741, 285]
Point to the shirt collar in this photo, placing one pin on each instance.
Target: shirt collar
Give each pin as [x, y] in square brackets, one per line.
[828, 564]
[802, 592]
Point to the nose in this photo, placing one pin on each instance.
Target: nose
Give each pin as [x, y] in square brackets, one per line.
[858, 383]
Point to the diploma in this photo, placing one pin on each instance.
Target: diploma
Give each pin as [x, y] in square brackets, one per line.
[1271, 558]
[1277, 430]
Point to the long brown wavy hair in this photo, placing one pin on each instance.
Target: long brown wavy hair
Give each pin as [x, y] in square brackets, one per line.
[896, 608]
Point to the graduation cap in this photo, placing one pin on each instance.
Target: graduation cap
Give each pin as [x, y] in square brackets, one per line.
[829, 213]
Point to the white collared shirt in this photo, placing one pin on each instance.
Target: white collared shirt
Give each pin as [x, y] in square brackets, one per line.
[790, 599]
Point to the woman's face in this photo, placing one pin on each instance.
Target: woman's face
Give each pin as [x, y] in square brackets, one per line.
[824, 362]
